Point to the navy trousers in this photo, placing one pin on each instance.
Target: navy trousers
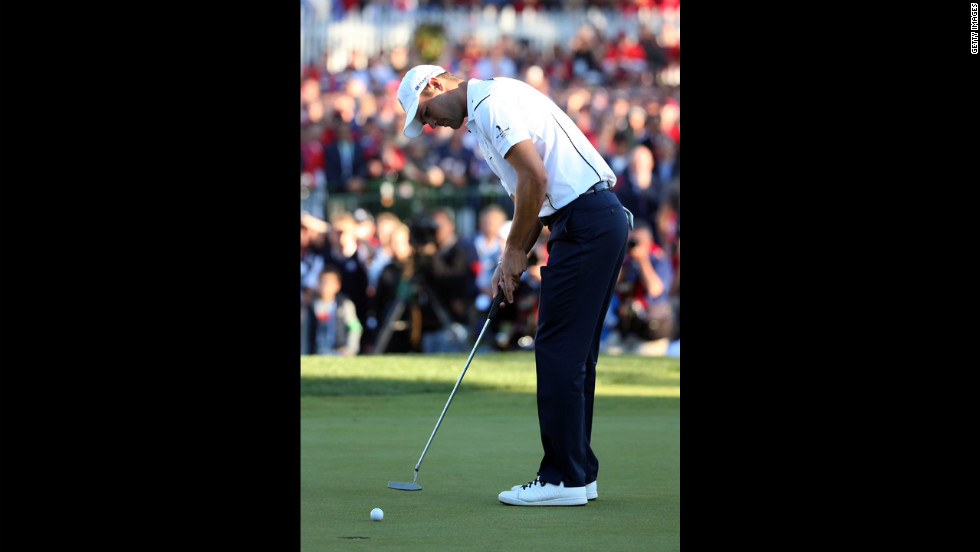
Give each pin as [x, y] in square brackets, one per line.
[585, 253]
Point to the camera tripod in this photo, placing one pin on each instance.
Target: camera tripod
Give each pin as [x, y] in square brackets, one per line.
[408, 289]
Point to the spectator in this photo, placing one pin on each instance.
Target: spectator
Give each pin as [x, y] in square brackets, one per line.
[384, 225]
[643, 288]
[396, 301]
[624, 58]
[418, 164]
[484, 250]
[586, 52]
[619, 158]
[656, 55]
[455, 159]
[343, 252]
[636, 127]
[495, 64]
[313, 181]
[368, 247]
[583, 120]
[561, 69]
[365, 231]
[383, 256]
[670, 37]
[667, 159]
[371, 140]
[670, 120]
[639, 189]
[534, 75]
[467, 56]
[447, 286]
[345, 163]
[310, 265]
[487, 245]
[310, 257]
[334, 328]
[381, 72]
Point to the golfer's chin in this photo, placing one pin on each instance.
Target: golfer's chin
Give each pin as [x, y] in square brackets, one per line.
[454, 126]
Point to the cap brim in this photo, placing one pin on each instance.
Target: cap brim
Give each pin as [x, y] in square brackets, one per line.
[412, 127]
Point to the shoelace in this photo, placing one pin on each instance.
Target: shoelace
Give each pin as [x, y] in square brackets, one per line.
[530, 484]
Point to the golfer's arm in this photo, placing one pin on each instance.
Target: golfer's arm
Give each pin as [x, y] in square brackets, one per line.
[532, 184]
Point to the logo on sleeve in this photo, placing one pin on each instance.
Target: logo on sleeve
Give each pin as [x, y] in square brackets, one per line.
[503, 132]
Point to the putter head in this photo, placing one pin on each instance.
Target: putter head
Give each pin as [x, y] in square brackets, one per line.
[404, 486]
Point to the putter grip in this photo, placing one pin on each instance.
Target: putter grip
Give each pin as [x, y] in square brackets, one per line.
[495, 307]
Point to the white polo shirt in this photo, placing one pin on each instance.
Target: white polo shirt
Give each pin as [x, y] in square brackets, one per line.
[503, 112]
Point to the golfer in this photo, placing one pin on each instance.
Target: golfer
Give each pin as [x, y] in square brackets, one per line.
[556, 179]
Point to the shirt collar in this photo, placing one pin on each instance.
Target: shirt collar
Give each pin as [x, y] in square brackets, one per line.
[474, 92]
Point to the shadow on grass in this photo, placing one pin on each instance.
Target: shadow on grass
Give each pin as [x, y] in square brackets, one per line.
[401, 399]
[366, 388]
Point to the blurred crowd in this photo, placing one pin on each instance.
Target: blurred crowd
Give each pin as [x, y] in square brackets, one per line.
[372, 281]
[338, 8]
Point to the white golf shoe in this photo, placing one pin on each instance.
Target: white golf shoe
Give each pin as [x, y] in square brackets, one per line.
[591, 492]
[539, 493]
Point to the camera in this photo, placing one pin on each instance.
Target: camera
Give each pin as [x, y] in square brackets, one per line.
[422, 231]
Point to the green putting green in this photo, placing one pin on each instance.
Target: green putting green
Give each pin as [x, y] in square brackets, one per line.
[365, 420]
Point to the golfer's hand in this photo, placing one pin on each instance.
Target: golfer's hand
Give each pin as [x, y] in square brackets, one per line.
[507, 276]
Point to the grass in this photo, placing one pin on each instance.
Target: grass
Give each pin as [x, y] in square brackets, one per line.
[625, 375]
[365, 420]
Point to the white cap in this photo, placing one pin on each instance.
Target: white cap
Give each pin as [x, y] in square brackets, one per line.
[412, 85]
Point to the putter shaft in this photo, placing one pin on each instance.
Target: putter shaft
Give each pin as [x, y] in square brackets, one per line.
[414, 486]
[451, 395]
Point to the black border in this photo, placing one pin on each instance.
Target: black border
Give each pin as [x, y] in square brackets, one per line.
[149, 374]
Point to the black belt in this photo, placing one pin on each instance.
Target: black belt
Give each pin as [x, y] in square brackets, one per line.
[597, 187]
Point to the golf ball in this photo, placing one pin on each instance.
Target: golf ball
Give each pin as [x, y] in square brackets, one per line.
[377, 514]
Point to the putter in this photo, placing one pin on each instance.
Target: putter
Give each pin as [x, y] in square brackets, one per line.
[414, 485]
